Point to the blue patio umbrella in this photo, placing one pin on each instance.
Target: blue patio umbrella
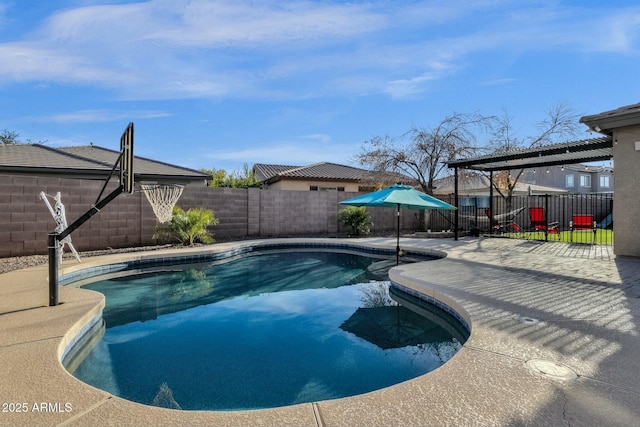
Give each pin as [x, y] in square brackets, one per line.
[398, 196]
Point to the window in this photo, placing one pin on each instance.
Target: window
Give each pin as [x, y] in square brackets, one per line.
[569, 181]
[585, 180]
[317, 188]
[605, 181]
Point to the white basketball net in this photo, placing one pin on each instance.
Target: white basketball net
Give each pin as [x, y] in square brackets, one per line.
[162, 199]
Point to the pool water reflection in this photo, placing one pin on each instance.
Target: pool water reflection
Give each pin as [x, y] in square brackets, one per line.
[262, 331]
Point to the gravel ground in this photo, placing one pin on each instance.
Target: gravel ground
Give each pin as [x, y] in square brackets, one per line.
[17, 263]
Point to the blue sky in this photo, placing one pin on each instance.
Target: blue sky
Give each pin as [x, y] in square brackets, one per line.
[217, 84]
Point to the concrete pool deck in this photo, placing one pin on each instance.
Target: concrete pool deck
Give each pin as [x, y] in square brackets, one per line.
[555, 341]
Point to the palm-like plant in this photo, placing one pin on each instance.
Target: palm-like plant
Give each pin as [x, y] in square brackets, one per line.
[357, 218]
[190, 226]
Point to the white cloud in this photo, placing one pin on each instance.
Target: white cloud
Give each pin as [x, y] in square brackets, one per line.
[250, 24]
[24, 61]
[617, 33]
[93, 116]
[171, 49]
[306, 150]
[499, 81]
[404, 88]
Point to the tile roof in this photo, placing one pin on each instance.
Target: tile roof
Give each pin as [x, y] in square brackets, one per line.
[266, 171]
[84, 160]
[322, 170]
[14, 157]
[327, 171]
[141, 165]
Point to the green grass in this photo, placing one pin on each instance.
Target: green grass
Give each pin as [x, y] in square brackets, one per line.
[603, 237]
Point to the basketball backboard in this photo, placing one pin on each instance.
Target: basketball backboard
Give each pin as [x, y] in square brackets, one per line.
[126, 160]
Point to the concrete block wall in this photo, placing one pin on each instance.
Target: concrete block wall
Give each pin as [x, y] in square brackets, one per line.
[129, 221]
[26, 221]
[230, 206]
[290, 213]
[253, 212]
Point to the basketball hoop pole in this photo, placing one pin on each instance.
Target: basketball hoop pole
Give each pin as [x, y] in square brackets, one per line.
[55, 238]
[126, 185]
[53, 268]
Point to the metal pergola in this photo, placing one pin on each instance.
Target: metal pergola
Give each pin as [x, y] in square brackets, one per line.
[586, 150]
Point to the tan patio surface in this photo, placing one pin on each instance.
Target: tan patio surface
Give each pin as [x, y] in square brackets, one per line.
[555, 341]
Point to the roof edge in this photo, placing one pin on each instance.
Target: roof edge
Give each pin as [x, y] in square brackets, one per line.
[607, 121]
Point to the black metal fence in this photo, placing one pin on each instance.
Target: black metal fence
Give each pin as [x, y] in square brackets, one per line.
[576, 218]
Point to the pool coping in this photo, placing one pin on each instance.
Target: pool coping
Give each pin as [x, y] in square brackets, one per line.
[486, 383]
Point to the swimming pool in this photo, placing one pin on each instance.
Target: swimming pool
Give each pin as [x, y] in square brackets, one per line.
[276, 329]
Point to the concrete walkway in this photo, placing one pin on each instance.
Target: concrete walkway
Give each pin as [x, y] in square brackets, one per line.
[554, 342]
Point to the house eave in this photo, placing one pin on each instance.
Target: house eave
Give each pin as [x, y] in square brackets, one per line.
[34, 170]
[100, 174]
[606, 123]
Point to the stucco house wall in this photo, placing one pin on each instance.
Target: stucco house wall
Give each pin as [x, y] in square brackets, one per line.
[623, 125]
[626, 205]
[305, 185]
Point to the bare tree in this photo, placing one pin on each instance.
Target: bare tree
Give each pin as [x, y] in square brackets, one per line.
[560, 124]
[422, 154]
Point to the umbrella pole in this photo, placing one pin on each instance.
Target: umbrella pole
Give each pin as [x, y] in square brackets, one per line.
[398, 237]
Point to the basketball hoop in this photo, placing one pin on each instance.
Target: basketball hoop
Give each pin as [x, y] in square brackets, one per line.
[162, 198]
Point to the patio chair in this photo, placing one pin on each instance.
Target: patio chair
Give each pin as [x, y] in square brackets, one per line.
[583, 222]
[539, 222]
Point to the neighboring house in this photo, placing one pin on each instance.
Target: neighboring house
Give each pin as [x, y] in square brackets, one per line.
[323, 176]
[478, 185]
[89, 162]
[573, 178]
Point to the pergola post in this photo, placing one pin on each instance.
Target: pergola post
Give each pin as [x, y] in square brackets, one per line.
[456, 204]
[491, 209]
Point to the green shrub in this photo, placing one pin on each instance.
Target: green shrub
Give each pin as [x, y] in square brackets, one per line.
[357, 218]
[189, 227]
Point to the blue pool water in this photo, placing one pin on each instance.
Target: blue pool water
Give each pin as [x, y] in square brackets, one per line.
[261, 331]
